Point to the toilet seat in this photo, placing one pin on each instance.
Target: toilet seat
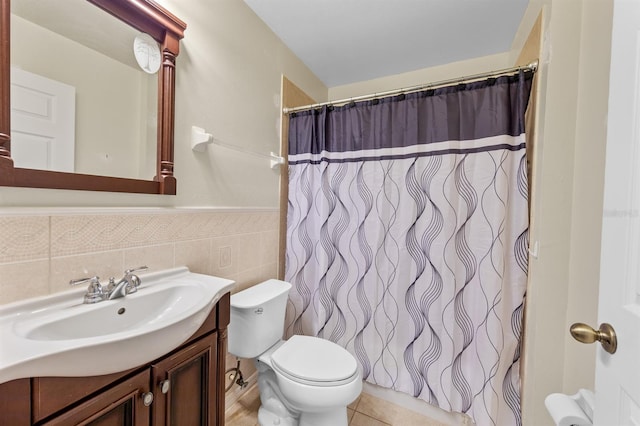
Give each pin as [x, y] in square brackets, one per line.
[314, 361]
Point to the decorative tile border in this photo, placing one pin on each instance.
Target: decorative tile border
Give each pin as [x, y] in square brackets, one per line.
[237, 244]
[24, 238]
[85, 234]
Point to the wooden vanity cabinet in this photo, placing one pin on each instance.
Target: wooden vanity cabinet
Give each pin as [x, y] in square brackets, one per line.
[119, 405]
[187, 387]
[15, 403]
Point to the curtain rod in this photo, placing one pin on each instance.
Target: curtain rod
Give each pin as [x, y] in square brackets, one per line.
[532, 67]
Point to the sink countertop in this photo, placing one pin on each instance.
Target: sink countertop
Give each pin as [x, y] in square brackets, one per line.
[58, 335]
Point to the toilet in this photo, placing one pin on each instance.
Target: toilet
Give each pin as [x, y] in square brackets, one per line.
[304, 380]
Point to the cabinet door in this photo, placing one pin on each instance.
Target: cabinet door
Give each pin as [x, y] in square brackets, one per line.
[120, 405]
[185, 386]
[15, 403]
[50, 395]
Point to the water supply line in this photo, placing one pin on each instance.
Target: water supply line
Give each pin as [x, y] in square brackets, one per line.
[234, 375]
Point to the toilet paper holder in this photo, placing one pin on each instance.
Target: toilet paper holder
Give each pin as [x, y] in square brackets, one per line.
[571, 410]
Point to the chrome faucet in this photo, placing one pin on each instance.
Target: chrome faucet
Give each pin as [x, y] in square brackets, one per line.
[127, 284]
[97, 293]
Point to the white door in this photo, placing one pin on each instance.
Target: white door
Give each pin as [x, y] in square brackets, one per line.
[618, 375]
[42, 122]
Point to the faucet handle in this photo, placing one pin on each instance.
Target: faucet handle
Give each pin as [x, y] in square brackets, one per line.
[132, 279]
[111, 285]
[92, 281]
[132, 270]
[94, 292]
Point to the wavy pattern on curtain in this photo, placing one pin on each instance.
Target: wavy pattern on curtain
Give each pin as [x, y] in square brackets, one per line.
[407, 240]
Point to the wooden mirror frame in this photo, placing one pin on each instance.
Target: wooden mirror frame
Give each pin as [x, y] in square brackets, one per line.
[145, 16]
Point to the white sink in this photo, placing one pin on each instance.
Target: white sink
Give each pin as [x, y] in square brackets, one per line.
[58, 335]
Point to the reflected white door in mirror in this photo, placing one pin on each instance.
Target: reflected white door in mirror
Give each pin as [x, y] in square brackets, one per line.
[43, 122]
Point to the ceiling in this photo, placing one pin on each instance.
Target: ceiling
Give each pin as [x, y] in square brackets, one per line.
[345, 41]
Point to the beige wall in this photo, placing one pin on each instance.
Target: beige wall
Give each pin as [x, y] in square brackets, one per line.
[229, 82]
[567, 204]
[588, 177]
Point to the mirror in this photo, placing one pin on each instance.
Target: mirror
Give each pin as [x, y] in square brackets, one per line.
[104, 103]
[131, 133]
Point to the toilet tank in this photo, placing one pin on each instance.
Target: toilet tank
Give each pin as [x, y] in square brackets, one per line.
[257, 318]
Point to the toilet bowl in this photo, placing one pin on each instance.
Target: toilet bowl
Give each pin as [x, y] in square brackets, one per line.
[304, 380]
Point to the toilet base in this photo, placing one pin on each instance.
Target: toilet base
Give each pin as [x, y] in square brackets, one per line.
[335, 417]
[273, 410]
[269, 418]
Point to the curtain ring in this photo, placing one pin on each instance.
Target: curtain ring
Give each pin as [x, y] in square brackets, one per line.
[429, 91]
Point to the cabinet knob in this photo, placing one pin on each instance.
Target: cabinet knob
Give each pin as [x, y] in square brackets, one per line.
[147, 398]
[164, 386]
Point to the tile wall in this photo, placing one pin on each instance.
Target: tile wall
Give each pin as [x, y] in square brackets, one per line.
[40, 253]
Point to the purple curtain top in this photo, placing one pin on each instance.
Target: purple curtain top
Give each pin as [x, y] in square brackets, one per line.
[462, 112]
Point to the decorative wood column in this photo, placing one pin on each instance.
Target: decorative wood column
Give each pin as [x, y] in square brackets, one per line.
[5, 86]
[166, 113]
[224, 317]
[6, 163]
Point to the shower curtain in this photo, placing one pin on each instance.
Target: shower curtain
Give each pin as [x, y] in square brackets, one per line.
[407, 240]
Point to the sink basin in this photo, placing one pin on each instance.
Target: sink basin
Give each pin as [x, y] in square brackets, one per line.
[58, 335]
[129, 313]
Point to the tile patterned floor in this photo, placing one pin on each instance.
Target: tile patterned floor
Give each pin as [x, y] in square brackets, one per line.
[367, 410]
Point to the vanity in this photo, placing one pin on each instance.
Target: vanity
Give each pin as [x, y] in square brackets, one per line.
[182, 385]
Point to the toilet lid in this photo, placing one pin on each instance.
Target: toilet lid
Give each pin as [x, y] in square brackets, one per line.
[314, 359]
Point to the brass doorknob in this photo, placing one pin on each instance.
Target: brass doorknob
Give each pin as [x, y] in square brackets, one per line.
[606, 335]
